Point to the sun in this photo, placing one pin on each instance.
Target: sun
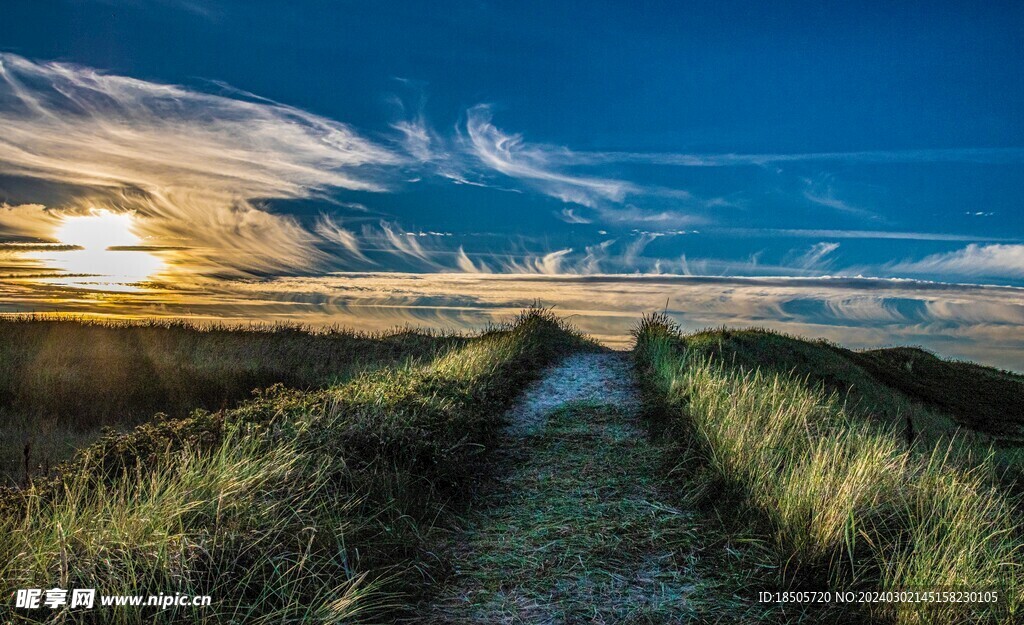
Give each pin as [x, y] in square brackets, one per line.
[108, 252]
[98, 230]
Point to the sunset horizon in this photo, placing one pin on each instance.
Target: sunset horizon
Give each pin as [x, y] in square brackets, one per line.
[148, 180]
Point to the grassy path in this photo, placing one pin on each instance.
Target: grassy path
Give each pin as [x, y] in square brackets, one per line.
[578, 530]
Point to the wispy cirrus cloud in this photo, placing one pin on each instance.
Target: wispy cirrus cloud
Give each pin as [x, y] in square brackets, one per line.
[328, 228]
[813, 257]
[509, 154]
[549, 170]
[195, 168]
[732, 159]
[987, 261]
[833, 233]
[191, 165]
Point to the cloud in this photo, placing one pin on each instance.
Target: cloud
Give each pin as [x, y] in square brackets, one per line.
[29, 221]
[822, 192]
[198, 170]
[647, 217]
[406, 245]
[595, 256]
[992, 261]
[851, 234]
[813, 257]
[464, 263]
[551, 264]
[356, 206]
[416, 138]
[985, 323]
[569, 216]
[510, 155]
[731, 159]
[329, 229]
[192, 165]
[636, 248]
[208, 9]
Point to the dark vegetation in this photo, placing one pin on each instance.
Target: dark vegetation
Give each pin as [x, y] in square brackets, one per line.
[981, 398]
[61, 381]
[887, 384]
[808, 446]
[293, 506]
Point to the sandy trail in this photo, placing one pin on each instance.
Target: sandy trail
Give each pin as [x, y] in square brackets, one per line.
[604, 378]
[577, 531]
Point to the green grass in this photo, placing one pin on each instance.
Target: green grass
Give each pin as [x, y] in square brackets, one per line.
[328, 495]
[844, 502]
[293, 506]
[63, 381]
[887, 385]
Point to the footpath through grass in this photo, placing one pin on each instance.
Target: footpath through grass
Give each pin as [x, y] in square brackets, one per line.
[844, 503]
[294, 507]
[580, 528]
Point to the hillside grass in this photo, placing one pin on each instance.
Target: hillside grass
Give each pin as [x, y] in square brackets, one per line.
[830, 480]
[979, 397]
[294, 506]
[888, 385]
[975, 411]
[62, 381]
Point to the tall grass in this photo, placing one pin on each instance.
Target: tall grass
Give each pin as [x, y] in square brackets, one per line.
[846, 503]
[239, 523]
[62, 381]
[295, 506]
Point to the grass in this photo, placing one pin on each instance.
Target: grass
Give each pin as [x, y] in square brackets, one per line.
[293, 506]
[327, 496]
[978, 397]
[887, 385]
[63, 381]
[844, 502]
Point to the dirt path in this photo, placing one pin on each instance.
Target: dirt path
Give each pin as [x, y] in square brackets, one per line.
[579, 530]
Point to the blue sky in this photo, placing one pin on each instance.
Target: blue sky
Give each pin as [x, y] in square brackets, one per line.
[267, 140]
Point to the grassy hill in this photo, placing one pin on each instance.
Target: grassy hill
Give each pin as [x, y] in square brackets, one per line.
[296, 506]
[886, 384]
[63, 381]
[845, 462]
[977, 397]
[340, 490]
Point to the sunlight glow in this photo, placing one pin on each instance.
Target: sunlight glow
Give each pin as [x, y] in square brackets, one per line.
[99, 262]
[98, 230]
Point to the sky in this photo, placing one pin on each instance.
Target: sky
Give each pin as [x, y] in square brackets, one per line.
[848, 170]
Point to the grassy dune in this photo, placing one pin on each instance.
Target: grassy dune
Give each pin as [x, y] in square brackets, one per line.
[843, 500]
[62, 381]
[295, 505]
[888, 385]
